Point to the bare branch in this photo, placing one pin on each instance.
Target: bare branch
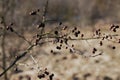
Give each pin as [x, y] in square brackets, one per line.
[16, 60]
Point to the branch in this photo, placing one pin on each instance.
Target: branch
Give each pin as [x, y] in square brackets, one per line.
[72, 39]
[17, 59]
[21, 37]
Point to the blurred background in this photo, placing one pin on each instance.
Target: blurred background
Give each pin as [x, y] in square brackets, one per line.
[66, 66]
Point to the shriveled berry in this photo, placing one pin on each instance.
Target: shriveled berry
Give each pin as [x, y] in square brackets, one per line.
[56, 32]
[58, 47]
[51, 76]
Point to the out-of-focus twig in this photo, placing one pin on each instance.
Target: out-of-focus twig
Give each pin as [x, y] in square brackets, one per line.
[44, 17]
[5, 8]
[21, 36]
[3, 47]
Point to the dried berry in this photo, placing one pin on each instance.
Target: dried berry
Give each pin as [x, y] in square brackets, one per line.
[106, 37]
[76, 34]
[41, 76]
[82, 35]
[94, 50]
[73, 31]
[61, 41]
[51, 76]
[46, 72]
[51, 51]
[112, 27]
[114, 30]
[113, 47]
[58, 47]
[56, 32]
[66, 41]
[65, 27]
[99, 30]
[75, 28]
[66, 47]
[101, 43]
[117, 26]
[37, 35]
[72, 45]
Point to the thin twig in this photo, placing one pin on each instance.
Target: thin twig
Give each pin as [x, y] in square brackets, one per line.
[72, 39]
[21, 37]
[44, 16]
[17, 59]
